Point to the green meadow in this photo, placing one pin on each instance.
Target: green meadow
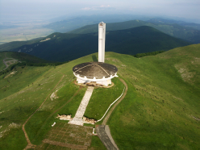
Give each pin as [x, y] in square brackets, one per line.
[102, 98]
[160, 110]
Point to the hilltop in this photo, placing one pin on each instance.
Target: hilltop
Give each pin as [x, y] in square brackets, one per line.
[160, 110]
[60, 47]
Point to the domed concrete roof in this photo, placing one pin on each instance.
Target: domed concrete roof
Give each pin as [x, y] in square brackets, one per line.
[95, 69]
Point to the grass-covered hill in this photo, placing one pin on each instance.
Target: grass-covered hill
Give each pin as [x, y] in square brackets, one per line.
[160, 110]
[23, 57]
[67, 46]
[184, 32]
[11, 58]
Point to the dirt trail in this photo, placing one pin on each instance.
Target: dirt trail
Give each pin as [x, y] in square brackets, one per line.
[30, 145]
[7, 62]
[115, 105]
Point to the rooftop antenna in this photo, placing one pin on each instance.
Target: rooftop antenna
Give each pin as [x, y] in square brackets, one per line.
[101, 41]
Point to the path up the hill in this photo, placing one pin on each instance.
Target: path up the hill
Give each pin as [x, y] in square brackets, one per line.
[77, 120]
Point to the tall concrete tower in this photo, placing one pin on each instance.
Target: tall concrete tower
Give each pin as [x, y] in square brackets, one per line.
[101, 41]
[96, 73]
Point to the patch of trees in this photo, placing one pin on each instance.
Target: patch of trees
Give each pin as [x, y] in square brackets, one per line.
[10, 68]
[39, 64]
[23, 64]
[147, 54]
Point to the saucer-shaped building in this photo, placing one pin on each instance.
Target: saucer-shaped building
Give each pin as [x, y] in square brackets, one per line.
[98, 72]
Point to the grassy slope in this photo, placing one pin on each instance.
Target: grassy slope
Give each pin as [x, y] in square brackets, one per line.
[98, 104]
[23, 77]
[158, 111]
[21, 57]
[25, 92]
[27, 58]
[16, 104]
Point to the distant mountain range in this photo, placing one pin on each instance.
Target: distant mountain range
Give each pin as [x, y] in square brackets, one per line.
[186, 33]
[62, 47]
[169, 21]
[83, 24]
[66, 25]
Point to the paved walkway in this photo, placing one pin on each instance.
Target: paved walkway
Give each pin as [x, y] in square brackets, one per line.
[77, 120]
[103, 132]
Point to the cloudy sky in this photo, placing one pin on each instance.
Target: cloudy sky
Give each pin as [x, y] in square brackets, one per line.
[40, 9]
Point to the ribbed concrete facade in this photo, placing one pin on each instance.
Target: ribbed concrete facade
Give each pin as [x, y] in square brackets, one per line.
[98, 72]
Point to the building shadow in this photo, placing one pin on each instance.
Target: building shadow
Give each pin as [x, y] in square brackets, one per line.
[94, 58]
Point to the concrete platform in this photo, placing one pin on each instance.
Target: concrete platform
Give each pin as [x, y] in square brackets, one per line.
[77, 120]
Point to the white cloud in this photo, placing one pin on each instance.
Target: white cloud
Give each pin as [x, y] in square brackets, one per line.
[105, 6]
[86, 8]
[101, 7]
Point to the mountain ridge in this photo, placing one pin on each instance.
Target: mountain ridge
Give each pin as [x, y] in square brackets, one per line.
[61, 47]
[185, 33]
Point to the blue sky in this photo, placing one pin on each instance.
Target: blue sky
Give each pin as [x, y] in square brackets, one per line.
[41, 9]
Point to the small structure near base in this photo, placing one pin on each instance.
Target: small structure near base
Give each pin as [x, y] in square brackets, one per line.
[64, 117]
[89, 121]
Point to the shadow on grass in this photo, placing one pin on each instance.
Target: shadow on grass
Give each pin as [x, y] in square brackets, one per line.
[94, 58]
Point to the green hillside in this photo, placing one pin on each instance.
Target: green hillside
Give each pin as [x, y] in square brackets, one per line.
[62, 47]
[160, 110]
[22, 57]
[183, 32]
[11, 58]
